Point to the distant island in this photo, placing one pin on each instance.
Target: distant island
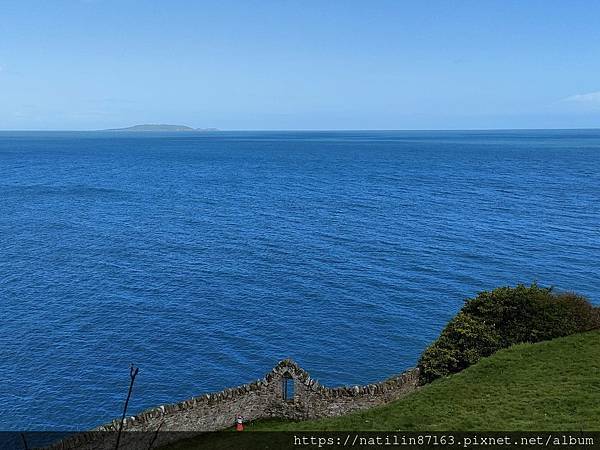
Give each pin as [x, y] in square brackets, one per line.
[161, 127]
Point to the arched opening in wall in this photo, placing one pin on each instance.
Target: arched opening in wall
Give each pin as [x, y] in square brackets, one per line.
[288, 387]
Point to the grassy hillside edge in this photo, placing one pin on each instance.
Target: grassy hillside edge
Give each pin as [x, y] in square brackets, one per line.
[548, 386]
[551, 385]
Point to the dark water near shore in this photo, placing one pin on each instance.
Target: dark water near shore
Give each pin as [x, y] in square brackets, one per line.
[205, 258]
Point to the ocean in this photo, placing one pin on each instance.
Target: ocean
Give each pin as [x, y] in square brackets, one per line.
[204, 258]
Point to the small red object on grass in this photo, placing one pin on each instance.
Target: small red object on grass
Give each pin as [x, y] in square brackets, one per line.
[239, 425]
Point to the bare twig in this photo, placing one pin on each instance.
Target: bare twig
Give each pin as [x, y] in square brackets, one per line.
[133, 371]
[24, 441]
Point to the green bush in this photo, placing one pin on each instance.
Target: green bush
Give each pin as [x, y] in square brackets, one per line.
[503, 317]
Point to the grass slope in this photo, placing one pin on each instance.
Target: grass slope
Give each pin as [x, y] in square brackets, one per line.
[548, 386]
[553, 385]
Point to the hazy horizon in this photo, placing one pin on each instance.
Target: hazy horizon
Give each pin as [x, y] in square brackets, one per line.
[200, 130]
[83, 65]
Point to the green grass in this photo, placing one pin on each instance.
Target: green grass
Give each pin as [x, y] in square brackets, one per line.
[553, 385]
[548, 386]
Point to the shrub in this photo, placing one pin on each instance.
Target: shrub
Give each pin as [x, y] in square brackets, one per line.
[503, 317]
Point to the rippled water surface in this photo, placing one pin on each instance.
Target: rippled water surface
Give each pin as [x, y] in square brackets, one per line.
[205, 258]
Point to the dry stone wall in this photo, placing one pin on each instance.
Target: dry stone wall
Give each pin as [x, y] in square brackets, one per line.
[261, 399]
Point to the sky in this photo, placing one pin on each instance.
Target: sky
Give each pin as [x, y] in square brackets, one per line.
[305, 64]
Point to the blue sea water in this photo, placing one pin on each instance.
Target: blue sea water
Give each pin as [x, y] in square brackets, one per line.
[206, 257]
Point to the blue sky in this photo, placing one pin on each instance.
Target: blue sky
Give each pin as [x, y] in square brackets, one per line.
[327, 64]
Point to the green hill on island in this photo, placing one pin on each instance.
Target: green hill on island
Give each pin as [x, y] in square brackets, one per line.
[161, 128]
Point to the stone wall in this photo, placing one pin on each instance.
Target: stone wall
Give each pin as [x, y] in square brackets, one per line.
[261, 399]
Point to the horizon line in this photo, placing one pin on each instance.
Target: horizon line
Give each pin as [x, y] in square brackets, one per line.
[220, 130]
